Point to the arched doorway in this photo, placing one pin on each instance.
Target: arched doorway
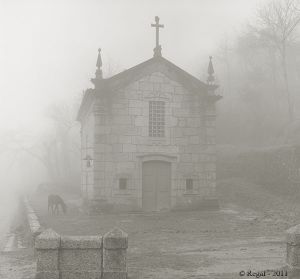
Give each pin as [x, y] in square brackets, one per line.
[156, 185]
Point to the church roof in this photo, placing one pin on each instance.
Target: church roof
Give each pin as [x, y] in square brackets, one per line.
[155, 64]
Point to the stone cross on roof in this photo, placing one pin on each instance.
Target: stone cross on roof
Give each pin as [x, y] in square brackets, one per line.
[157, 49]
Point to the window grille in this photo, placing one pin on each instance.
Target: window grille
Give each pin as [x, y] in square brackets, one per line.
[156, 119]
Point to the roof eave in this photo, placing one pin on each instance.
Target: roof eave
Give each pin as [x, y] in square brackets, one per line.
[184, 78]
[85, 104]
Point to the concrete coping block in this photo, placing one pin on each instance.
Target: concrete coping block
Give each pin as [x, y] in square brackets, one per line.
[34, 221]
[293, 235]
[48, 239]
[81, 242]
[33, 218]
[115, 239]
[37, 231]
[34, 227]
[31, 213]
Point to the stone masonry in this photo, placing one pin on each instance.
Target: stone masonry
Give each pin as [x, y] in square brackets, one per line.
[31, 220]
[115, 132]
[293, 252]
[81, 257]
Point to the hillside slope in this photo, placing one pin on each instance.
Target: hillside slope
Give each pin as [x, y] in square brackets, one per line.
[268, 205]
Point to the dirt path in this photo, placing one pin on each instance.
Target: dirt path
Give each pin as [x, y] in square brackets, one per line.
[187, 244]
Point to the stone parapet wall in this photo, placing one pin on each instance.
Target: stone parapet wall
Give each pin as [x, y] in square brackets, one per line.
[32, 220]
[81, 257]
[293, 252]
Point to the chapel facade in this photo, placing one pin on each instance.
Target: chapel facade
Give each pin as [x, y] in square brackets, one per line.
[148, 137]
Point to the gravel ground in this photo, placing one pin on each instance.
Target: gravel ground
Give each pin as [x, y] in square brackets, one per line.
[15, 262]
[18, 264]
[247, 234]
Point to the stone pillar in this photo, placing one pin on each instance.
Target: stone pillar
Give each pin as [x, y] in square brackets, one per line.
[80, 257]
[115, 245]
[47, 246]
[293, 252]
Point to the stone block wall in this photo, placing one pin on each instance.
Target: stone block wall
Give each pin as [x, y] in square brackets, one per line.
[115, 245]
[32, 221]
[121, 137]
[81, 257]
[293, 252]
[87, 149]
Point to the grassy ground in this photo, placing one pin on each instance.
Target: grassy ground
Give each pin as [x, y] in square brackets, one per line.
[248, 233]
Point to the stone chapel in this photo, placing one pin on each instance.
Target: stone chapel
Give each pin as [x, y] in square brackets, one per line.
[148, 137]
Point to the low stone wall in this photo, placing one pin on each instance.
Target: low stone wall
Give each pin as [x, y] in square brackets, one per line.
[81, 257]
[293, 252]
[31, 220]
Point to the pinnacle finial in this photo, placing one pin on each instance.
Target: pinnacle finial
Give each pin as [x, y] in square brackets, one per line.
[210, 71]
[99, 60]
[99, 65]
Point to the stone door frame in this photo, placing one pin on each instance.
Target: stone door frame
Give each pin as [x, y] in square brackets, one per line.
[157, 157]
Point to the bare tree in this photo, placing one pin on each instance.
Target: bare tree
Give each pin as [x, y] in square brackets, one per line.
[225, 51]
[57, 151]
[277, 24]
[66, 146]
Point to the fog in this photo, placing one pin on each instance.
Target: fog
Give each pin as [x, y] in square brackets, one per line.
[48, 54]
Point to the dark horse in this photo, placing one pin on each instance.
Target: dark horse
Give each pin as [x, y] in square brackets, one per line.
[54, 201]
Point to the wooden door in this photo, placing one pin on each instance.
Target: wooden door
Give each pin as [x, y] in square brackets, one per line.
[156, 191]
